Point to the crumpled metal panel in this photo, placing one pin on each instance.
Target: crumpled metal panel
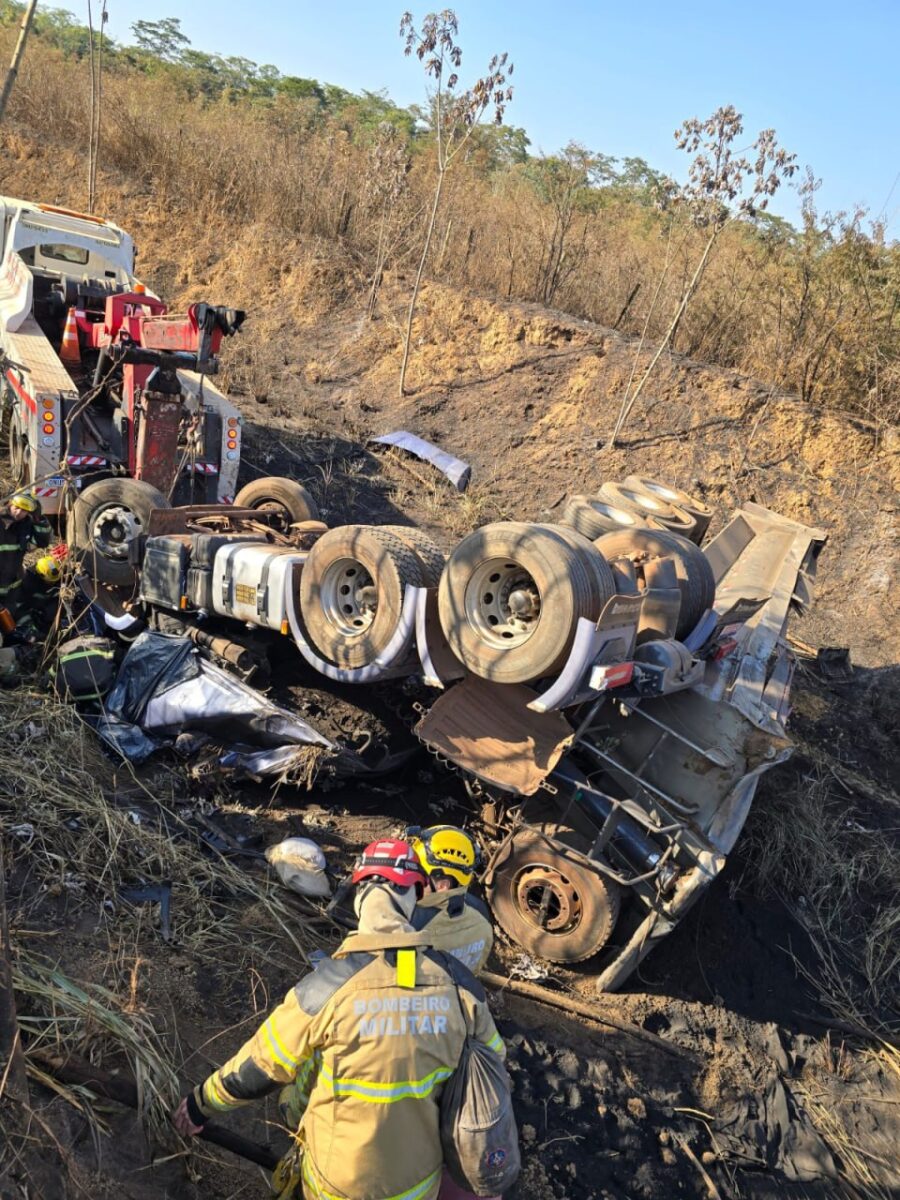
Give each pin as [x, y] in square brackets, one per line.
[488, 729]
[458, 472]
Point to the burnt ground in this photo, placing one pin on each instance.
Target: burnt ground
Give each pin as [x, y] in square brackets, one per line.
[770, 1086]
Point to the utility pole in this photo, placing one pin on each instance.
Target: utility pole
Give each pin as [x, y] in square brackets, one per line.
[27, 18]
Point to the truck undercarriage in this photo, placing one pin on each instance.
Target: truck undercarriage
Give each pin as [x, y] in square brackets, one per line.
[611, 793]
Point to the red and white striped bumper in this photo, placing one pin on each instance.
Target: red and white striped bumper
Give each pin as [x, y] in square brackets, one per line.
[85, 460]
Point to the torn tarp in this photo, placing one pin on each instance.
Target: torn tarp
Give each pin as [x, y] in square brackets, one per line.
[458, 472]
[165, 688]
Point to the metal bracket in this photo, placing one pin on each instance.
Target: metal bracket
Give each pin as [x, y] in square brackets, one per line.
[617, 622]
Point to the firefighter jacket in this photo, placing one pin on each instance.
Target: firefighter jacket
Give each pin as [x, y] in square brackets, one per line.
[16, 539]
[383, 1023]
[457, 922]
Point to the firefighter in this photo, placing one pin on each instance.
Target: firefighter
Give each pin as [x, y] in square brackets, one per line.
[22, 527]
[40, 592]
[382, 1025]
[454, 919]
[456, 922]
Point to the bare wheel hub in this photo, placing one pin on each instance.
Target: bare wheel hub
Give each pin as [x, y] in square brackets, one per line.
[503, 603]
[349, 596]
[112, 529]
[547, 899]
[275, 507]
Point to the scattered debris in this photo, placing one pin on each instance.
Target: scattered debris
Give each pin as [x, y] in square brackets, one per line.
[834, 662]
[164, 690]
[458, 472]
[157, 893]
[300, 864]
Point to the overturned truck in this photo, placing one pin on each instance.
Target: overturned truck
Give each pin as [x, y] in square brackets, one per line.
[610, 691]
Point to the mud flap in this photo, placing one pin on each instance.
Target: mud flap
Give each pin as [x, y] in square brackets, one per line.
[487, 729]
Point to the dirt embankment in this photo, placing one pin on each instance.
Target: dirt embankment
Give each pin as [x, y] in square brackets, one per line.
[757, 1097]
[525, 394]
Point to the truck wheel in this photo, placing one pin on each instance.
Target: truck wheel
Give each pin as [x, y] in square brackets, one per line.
[692, 569]
[288, 498]
[604, 581]
[18, 452]
[667, 515]
[701, 512]
[104, 520]
[429, 553]
[551, 901]
[593, 516]
[510, 599]
[351, 592]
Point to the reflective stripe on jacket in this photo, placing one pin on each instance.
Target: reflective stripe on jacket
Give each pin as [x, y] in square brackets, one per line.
[458, 923]
[383, 1017]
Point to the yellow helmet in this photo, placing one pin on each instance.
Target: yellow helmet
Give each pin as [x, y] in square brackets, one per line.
[48, 568]
[25, 501]
[444, 850]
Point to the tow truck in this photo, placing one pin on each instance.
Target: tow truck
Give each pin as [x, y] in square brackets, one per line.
[107, 396]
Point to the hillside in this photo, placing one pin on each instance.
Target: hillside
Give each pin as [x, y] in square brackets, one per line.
[780, 996]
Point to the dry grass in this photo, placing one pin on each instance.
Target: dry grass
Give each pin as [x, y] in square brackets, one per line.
[76, 830]
[79, 828]
[836, 1089]
[812, 312]
[62, 1017]
[826, 854]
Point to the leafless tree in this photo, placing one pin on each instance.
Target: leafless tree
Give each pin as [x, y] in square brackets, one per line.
[24, 29]
[723, 185]
[455, 115]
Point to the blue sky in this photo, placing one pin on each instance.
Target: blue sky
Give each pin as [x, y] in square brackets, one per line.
[617, 77]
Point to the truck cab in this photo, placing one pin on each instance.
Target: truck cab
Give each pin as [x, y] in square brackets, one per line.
[86, 348]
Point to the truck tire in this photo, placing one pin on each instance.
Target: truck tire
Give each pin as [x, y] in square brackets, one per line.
[701, 512]
[104, 520]
[604, 581]
[429, 553]
[287, 497]
[695, 578]
[351, 592]
[493, 594]
[551, 901]
[666, 515]
[593, 516]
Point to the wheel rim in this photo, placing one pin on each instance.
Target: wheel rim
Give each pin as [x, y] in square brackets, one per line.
[349, 597]
[619, 515]
[275, 506]
[664, 493]
[548, 900]
[112, 529]
[654, 503]
[503, 603]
